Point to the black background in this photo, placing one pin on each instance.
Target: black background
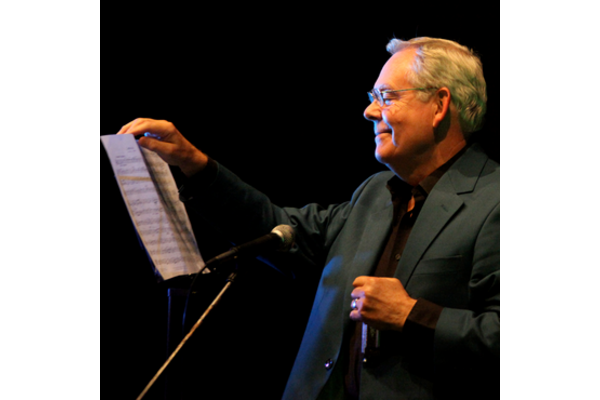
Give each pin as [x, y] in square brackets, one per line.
[277, 96]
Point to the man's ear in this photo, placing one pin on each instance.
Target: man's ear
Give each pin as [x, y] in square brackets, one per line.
[441, 105]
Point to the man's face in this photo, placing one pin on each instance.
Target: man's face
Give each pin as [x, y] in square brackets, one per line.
[403, 126]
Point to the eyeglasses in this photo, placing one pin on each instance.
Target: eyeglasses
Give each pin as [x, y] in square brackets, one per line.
[380, 95]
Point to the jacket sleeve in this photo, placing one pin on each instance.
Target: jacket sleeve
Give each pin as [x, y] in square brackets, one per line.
[243, 213]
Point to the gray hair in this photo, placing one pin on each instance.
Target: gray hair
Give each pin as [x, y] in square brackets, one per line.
[439, 63]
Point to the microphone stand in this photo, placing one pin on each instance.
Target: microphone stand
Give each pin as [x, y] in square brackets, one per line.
[285, 235]
[230, 280]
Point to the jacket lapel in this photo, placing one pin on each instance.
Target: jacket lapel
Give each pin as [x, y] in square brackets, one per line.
[441, 204]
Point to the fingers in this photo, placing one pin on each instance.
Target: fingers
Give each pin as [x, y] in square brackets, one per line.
[159, 136]
[356, 306]
[382, 303]
[357, 295]
[361, 281]
[164, 149]
[130, 127]
[356, 303]
[155, 128]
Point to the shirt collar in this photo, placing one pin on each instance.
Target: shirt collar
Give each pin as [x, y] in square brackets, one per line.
[397, 186]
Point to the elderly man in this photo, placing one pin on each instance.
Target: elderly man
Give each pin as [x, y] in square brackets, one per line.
[408, 305]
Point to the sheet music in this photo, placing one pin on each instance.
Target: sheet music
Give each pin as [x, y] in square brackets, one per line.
[152, 200]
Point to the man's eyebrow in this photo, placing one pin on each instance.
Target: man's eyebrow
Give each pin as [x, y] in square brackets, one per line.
[384, 86]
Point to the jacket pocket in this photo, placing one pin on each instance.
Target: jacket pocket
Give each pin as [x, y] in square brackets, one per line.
[444, 281]
[451, 264]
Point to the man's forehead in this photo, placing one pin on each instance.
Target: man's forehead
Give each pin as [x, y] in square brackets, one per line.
[393, 73]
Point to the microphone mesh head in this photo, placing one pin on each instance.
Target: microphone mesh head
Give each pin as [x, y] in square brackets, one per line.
[287, 235]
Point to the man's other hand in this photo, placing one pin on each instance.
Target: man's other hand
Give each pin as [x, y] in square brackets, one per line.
[381, 303]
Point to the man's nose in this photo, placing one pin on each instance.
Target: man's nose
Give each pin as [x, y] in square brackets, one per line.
[373, 112]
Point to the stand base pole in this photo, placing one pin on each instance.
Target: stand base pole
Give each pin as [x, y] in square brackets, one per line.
[185, 339]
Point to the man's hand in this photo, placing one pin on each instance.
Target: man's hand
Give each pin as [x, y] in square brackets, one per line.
[164, 139]
[381, 303]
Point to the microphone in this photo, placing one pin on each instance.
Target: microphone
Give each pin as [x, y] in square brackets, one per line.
[280, 239]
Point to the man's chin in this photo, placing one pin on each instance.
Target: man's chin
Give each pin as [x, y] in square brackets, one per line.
[381, 157]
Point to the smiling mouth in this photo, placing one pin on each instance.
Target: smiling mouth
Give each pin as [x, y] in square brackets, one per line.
[379, 138]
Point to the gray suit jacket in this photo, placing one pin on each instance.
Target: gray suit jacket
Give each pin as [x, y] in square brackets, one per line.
[452, 258]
